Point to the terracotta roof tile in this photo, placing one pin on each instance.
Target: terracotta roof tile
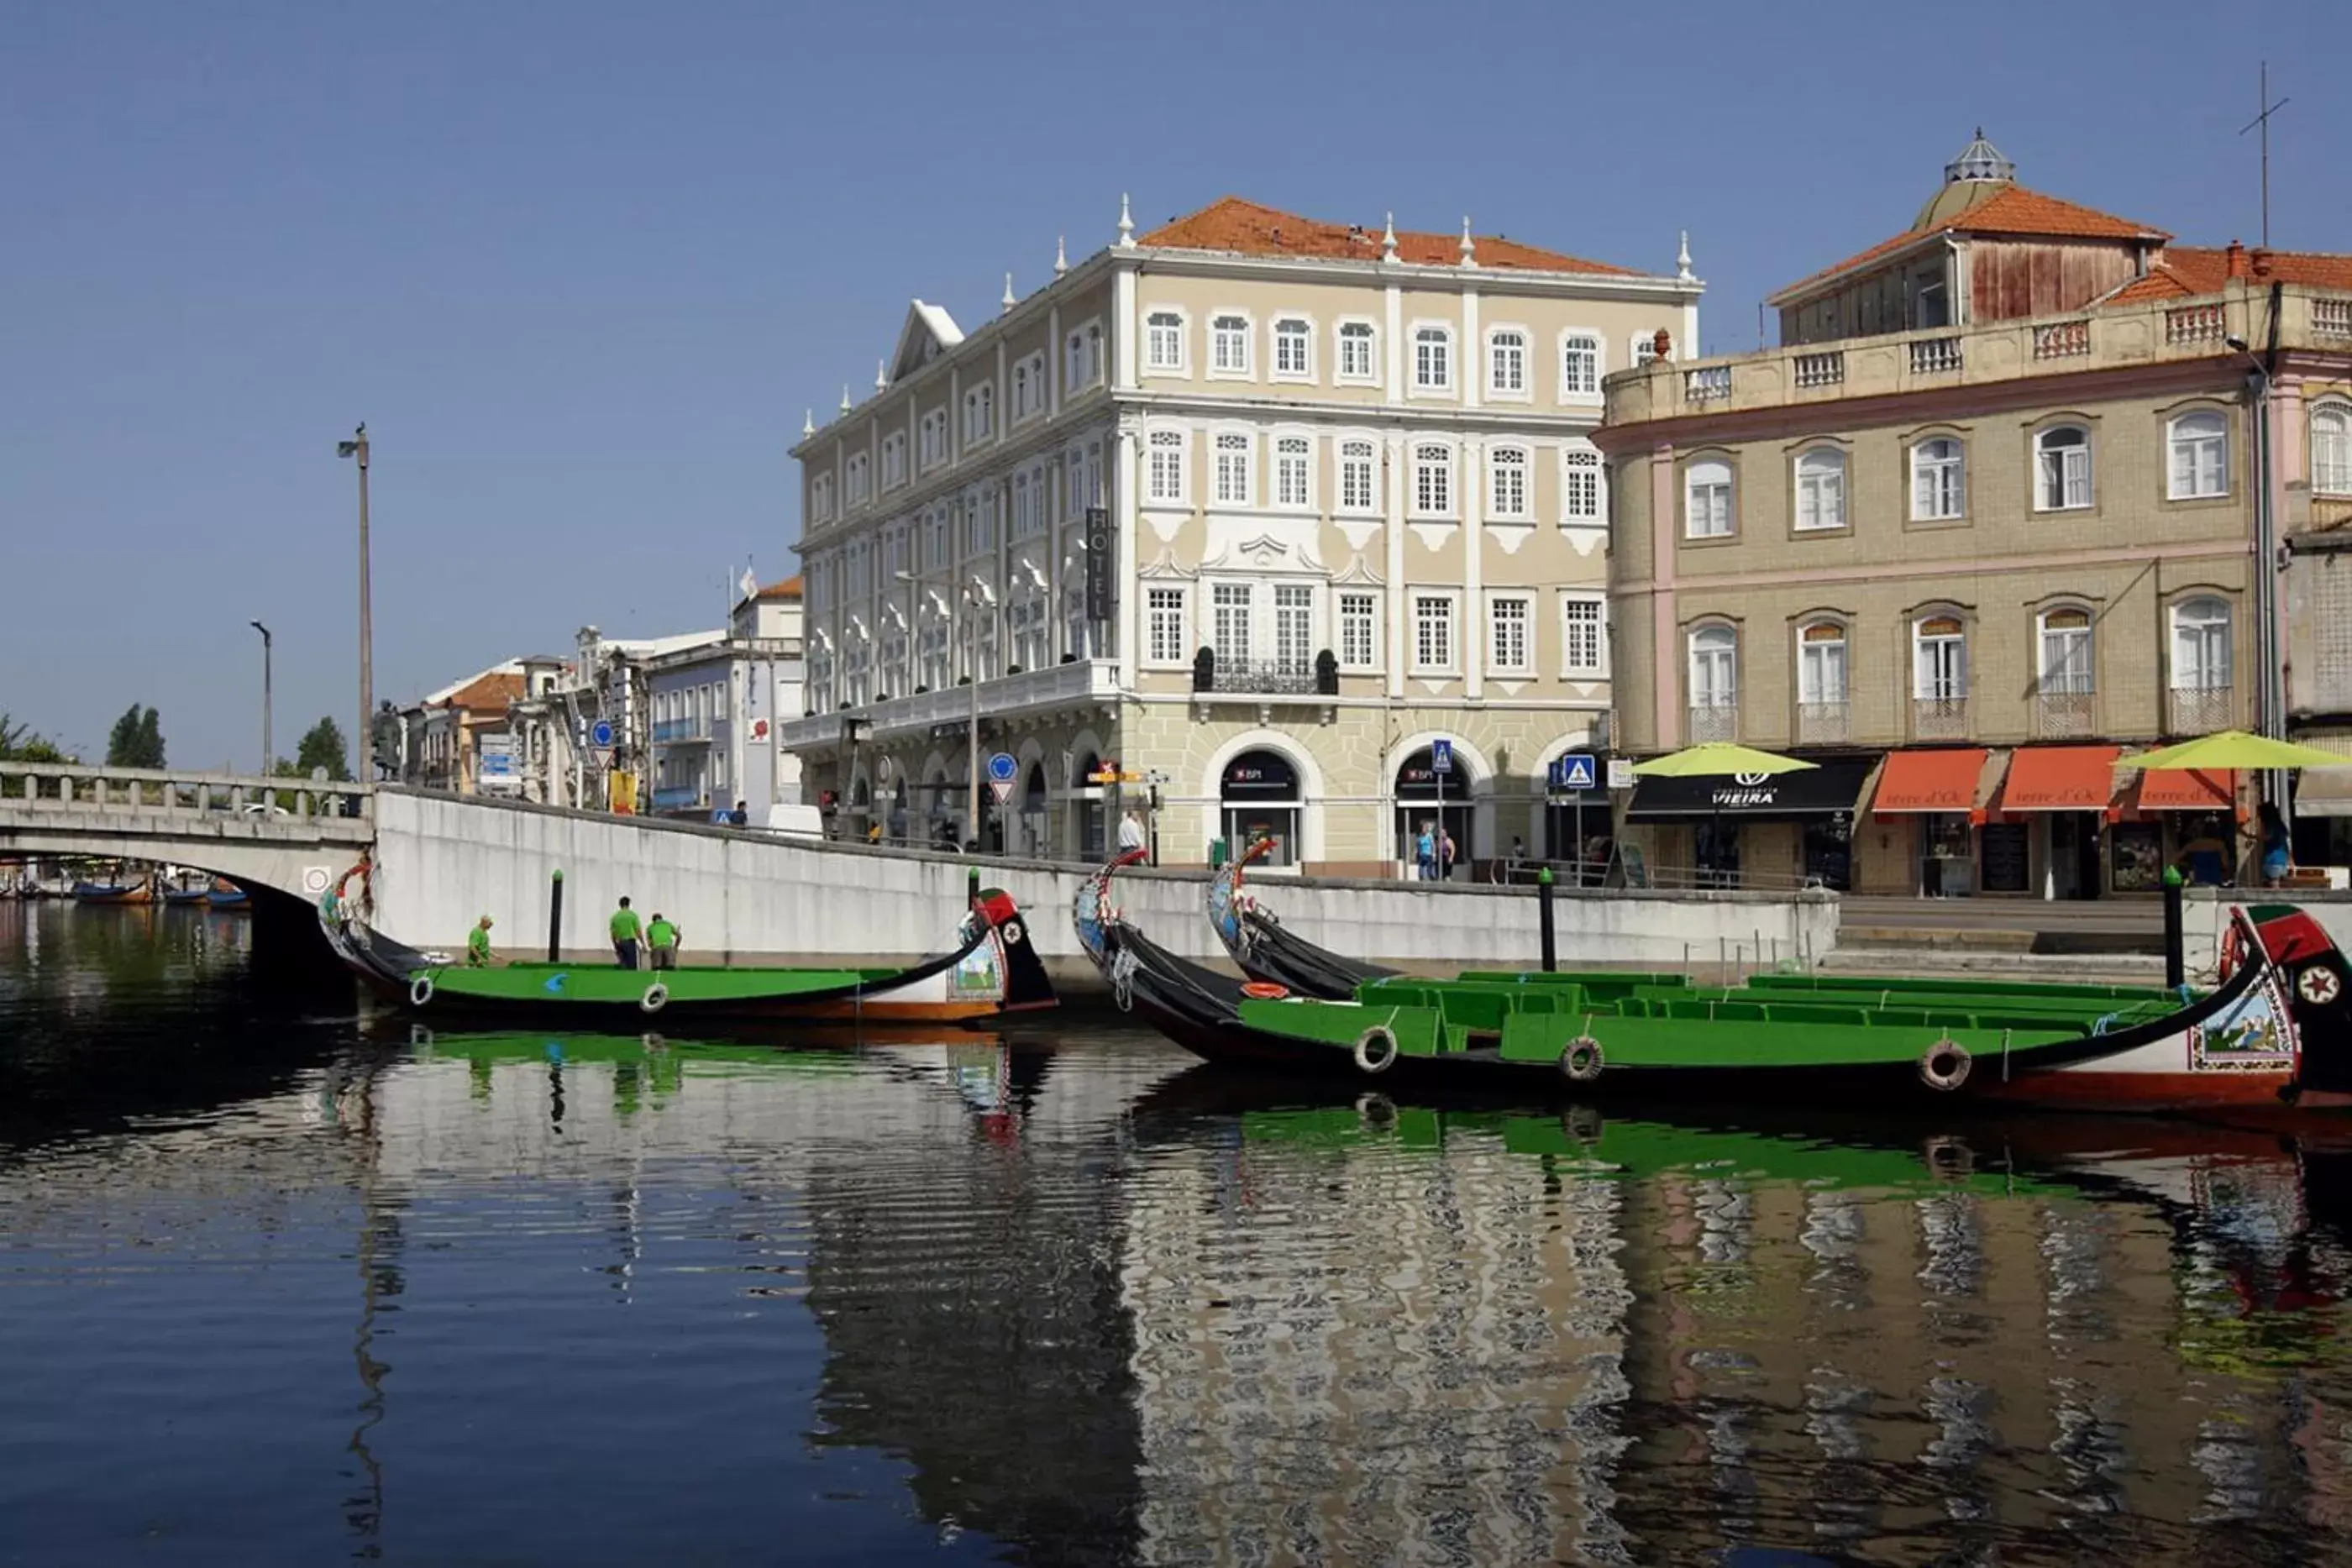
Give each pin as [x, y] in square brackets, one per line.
[788, 589]
[486, 694]
[1248, 229]
[2015, 210]
[2189, 270]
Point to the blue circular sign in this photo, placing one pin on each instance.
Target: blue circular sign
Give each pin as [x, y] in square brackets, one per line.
[1000, 767]
[602, 732]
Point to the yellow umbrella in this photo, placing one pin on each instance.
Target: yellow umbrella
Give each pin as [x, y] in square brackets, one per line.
[2233, 750]
[1719, 759]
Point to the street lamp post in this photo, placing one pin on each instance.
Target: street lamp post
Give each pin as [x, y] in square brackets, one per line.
[362, 739]
[266, 750]
[2271, 719]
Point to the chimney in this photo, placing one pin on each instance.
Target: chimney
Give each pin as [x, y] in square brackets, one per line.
[2237, 260]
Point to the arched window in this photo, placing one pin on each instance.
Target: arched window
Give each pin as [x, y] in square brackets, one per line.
[1294, 349]
[1293, 472]
[1939, 646]
[2199, 444]
[2331, 450]
[1259, 800]
[2066, 651]
[1579, 365]
[1356, 362]
[1229, 345]
[1714, 683]
[1359, 478]
[1939, 489]
[1507, 362]
[1706, 500]
[1234, 487]
[1433, 359]
[2201, 698]
[1432, 480]
[1507, 482]
[2061, 469]
[1579, 484]
[1820, 664]
[1165, 479]
[1820, 490]
[1164, 339]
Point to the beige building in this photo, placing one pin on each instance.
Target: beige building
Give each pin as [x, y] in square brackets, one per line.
[1984, 520]
[1348, 506]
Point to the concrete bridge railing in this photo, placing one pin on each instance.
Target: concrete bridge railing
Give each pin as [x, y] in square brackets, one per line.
[146, 791]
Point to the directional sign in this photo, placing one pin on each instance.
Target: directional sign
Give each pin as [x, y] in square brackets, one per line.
[600, 734]
[1441, 757]
[1576, 771]
[1002, 789]
[1001, 769]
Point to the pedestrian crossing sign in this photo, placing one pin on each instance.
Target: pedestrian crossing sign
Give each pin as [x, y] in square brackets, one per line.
[1574, 771]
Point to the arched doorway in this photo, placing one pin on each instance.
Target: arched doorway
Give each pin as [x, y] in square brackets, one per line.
[1443, 802]
[1090, 812]
[1034, 842]
[1258, 798]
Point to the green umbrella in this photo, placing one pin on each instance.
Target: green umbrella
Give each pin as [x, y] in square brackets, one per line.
[1719, 759]
[2229, 750]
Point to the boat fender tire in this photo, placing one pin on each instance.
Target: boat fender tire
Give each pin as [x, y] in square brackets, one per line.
[1376, 1049]
[1375, 1109]
[656, 998]
[1944, 1066]
[1581, 1062]
[420, 989]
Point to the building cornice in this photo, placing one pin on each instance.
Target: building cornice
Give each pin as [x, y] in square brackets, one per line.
[1418, 276]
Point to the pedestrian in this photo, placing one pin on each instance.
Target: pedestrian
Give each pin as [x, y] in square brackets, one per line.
[662, 940]
[1446, 855]
[1424, 852]
[1130, 833]
[874, 831]
[2271, 835]
[741, 817]
[477, 945]
[625, 931]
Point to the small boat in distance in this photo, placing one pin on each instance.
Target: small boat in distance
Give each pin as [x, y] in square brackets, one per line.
[225, 895]
[114, 893]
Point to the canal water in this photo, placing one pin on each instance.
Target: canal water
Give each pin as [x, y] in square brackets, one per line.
[281, 1286]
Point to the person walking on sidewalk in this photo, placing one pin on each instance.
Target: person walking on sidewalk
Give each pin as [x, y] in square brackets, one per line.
[661, 940]
[625, 932]
[477, 945]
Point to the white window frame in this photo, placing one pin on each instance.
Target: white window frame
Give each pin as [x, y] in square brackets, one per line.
[2203, 628]
[1305, 343]
[2219, 425]
[1082, 352]
[1522, 606]
[1949, 500]
[1443, 336]
[1495, 390]
[1220, 443]
[1718, 643]
[935, 450]
[1369, 455]
[1156, 442]
[860, 482]
[1583, 458]
[1824, 469]
[2076, 465]
[1341, 375]
[1811, 691]
[1571, 392]
[894, 460]
[2331, 477]
[1643, 349]
[1241, 337]
[821, 499]
[1701, 475]
[1310, 628]
[1167, 626]
[1448, 458]
[1180, 366]
[1031, 372]
[1277, 481]
[1581, 601]
[979, 414]
[1369, 599]
[1503, 459]
[1957, 685]
[2044, 632]
[1215, 608]
[1415, 601]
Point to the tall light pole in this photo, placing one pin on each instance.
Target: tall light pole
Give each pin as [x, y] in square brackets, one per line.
[2268, 650]
[265, 750]
[363, 738]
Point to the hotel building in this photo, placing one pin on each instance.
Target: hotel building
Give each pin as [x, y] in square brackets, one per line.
[1348, 505]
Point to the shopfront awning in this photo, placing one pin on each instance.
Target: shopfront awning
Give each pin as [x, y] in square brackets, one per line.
[2325, 791]
[1939, 780]
[1830, 786]
[2059, 778]
[2185, 789]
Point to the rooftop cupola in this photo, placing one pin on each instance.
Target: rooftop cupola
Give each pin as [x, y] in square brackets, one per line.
[1977, 174]
[1980, 161]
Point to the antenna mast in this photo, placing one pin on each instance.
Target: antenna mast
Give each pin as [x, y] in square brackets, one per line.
[2263, 120]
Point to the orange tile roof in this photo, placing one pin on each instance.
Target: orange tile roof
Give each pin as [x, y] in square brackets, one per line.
[1248, 228]
[2188, 270]
[2014, 210]
[486, 694]
[788, 589]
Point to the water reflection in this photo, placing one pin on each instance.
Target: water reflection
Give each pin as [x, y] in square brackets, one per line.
[277, 1286]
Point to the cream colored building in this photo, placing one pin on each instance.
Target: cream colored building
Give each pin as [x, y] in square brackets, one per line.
[1351, 505]
[1983, 521]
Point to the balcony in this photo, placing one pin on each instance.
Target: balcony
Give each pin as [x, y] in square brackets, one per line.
[678, 797]
[1714, 721]
[1081, 680]
[1823, 724]
[2062, 715]
[1266, 677]
[2331, 317]
[681, 731]
[2199, 710]
[1939, 718]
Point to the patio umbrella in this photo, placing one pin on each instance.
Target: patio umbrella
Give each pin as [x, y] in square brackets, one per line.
[2227, 750]
[1719, 759]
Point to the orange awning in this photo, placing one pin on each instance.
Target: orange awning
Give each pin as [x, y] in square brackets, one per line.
[2059, 778]
[1933, 780]
[2187, 789]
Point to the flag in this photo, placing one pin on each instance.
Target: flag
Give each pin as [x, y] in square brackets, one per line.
[749, 584]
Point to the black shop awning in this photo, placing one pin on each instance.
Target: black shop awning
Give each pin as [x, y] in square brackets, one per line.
[1830, 786]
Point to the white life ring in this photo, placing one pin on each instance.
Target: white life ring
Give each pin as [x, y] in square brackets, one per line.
[1944, 1066]
[1581, 1062]
[1376, 1049]
[420, 989]
[656, 998]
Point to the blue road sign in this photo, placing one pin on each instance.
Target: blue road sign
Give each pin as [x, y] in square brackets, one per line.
[1441, 757]
[1001, 766]
[600, 733]
[1576, 771]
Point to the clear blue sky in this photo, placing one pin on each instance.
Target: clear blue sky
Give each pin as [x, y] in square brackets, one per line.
[582, 266]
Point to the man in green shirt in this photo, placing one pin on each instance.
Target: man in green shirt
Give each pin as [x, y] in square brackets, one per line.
[477, 945]
[662, 937]
[625, 930]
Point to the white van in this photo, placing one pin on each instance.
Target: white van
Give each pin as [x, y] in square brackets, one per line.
[789, 822]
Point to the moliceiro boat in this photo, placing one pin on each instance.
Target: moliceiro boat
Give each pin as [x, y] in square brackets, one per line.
[989, 967]
[2275, 1033]
[1265, 950]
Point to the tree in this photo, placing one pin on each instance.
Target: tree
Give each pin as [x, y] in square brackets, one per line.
[322, 746]
[19, 744]
[136, 740]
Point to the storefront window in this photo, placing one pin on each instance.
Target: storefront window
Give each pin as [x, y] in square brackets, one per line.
[1259, 802]
[1828, 851]
[1946, 858]
[2136, 851]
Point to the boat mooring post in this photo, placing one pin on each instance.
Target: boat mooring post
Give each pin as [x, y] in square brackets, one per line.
[2176, 972]
[555, 919]
[1545, 918]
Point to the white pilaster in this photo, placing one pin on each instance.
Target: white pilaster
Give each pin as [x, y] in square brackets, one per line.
[1120, 482]
[1392, 345]
[1054, 362]
[1473, 367]
[1474, 534]
[1122, 329]
[1398, 476]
